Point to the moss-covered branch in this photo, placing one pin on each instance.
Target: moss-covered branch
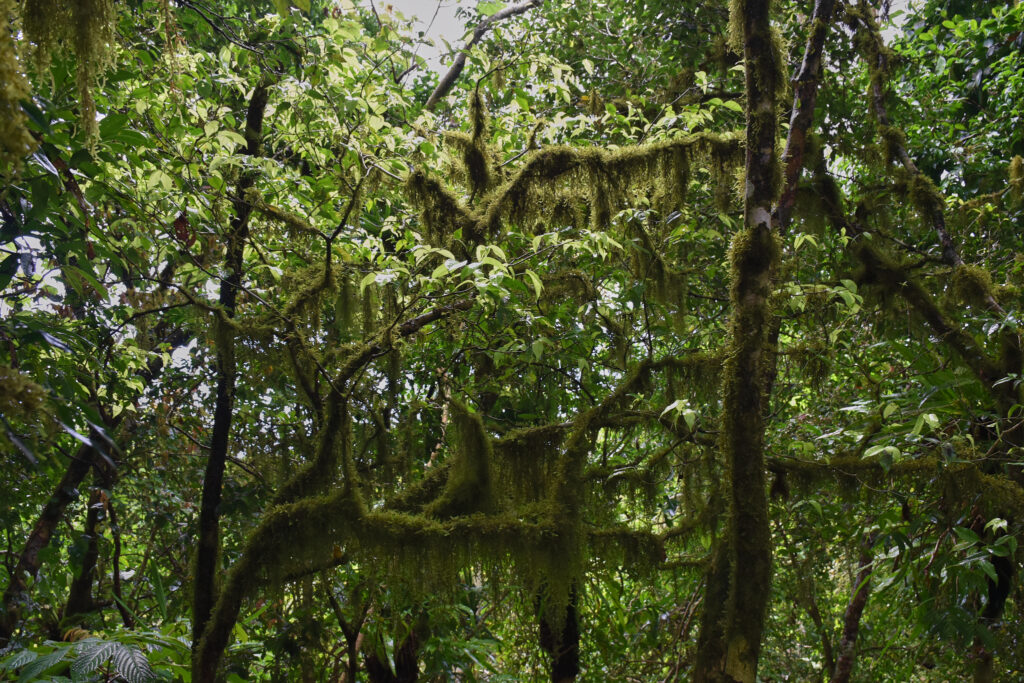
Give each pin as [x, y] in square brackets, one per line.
[805, 97]
[923, 193]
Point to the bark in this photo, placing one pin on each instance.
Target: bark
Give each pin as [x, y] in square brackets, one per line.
[711, 639]
[805, 96]
[447, 81]
[407, 666]
[208, 549]
[854, 611]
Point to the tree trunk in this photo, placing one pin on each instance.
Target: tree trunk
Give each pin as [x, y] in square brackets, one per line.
[561, 644]
[854, 611]
[16, 594]
[208, 550]
[80, 599]
[754, 258]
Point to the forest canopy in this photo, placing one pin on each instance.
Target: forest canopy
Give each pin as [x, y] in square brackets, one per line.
[645, 341]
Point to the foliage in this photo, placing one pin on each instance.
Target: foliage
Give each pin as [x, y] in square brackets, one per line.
[508, 387]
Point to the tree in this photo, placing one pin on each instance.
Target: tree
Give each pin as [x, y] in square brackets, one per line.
[661, 358]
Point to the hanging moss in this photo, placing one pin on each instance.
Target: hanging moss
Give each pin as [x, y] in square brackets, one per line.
[814, 360]
[625, 547]
[369, 311]
[442, 213]
[345, 306]
[334, 440]
[524, 457]
[608, 178]
[473, 146]
[468, 488]
[86, 27]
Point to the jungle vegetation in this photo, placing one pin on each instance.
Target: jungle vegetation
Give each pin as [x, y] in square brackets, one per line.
[650, 341]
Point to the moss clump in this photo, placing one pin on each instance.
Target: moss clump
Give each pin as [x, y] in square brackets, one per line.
[972, 285]
[1015, 174]
[443, 215]
[15, 140]
[19, 396]
[468, 489]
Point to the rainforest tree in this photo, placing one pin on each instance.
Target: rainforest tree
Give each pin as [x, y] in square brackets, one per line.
[652, 341]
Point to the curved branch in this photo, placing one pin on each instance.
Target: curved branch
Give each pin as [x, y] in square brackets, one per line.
[447, 81]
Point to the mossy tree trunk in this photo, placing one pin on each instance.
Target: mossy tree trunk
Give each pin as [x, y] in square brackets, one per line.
[754, 257]
[208, 550]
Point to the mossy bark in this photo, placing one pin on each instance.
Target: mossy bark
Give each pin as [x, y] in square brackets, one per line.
[559, 636]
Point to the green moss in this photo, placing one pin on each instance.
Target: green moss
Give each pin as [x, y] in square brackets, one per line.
[972, 285]
[19, 396]
[1015, 174]
[468, 488]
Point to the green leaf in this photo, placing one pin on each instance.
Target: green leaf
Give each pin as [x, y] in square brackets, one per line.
[966, 535]
[486, 9]
[367, 279]
[132, 663]
[92, 652]
[19, 659]
[43, 663]
[538, 286]
[538, 347]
